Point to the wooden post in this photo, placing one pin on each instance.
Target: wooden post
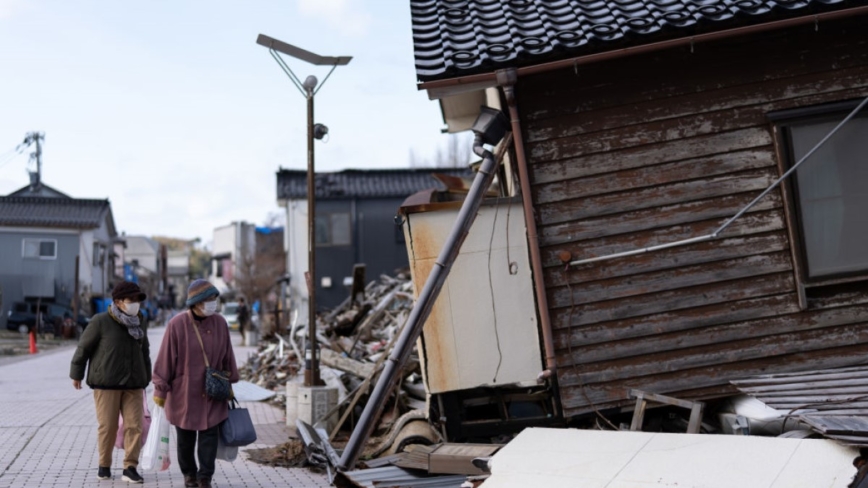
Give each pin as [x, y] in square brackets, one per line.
[75, 296]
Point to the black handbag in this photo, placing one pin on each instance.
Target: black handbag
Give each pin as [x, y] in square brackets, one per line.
[237, 430]
[217, 384]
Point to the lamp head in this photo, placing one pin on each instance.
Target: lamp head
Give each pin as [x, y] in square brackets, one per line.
[310, 82]
[319, 131]
[490, 125]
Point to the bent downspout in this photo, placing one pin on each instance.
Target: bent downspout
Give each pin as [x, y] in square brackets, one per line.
[422, 309]
[506, 80]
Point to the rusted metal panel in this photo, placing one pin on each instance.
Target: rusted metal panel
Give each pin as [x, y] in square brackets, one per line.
[482, 330]
[620, 162]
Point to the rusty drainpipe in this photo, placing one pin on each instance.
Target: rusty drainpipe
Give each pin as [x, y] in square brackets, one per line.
[506, 79]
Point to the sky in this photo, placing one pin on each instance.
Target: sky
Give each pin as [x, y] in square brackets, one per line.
[172, 111]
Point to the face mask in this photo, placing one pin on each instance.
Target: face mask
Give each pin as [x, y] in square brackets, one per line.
[131, 308]
[209, 308]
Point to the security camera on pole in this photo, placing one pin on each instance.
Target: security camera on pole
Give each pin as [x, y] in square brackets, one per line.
[313, 399]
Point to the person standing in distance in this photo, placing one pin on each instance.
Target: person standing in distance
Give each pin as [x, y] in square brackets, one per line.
[114, 347]
[179, 380]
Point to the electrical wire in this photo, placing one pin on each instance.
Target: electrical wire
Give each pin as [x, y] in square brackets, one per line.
[10, 155]
[491, 291]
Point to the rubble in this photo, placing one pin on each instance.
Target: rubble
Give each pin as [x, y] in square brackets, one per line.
[355, 339]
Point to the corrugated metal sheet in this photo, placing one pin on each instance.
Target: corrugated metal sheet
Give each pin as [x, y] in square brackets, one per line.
[635, 153]
[395, 477]
[834, 402]
[841, 391]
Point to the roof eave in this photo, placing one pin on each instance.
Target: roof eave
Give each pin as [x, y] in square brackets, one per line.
[439, 88]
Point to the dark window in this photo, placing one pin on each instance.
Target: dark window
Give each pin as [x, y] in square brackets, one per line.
[333, 229]
[830, 193]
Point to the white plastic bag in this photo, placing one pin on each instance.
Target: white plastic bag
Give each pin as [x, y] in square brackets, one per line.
[155, 454]
[224, 452]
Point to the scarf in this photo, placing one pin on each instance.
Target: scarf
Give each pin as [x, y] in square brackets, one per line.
[132, 322]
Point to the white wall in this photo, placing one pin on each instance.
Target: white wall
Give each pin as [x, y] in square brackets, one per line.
[296, 255]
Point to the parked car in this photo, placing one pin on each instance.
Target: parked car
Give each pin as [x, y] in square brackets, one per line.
[230, 313]
[22, 316]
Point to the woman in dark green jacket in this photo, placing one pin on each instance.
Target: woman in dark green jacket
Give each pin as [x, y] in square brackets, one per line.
[114, 348]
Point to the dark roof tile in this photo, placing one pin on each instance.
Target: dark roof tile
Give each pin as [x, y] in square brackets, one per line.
[375, 183]
[52, 212]
[461, 37]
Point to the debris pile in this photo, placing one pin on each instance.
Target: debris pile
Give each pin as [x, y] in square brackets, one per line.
[355, 339]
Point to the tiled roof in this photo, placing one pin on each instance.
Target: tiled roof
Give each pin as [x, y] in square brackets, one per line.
[461, 37]
[354, 183]
[52, 212]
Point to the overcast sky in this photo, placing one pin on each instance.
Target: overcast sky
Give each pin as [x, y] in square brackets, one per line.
[172, 111]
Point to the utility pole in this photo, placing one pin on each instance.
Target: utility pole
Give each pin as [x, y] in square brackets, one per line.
[35, 177]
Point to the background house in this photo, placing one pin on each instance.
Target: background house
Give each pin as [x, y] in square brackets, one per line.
[233, 244]
[47, 238]
[648, 125]
[355, 223]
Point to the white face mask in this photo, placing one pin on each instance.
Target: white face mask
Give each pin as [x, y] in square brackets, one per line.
[131, 308]
[209, 308]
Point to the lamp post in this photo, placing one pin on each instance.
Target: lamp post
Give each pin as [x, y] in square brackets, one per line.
[308, 89]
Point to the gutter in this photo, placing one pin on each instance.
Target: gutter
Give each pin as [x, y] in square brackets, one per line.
[490, 79]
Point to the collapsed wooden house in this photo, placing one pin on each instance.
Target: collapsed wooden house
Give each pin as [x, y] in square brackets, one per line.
[643, 123]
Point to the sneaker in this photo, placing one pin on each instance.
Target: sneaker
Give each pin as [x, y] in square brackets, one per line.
[104, 473]
[132, 476]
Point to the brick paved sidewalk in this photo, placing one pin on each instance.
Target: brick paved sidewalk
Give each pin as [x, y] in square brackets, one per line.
[48, 433]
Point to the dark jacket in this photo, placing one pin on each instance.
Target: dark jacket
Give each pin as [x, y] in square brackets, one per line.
[114, 359]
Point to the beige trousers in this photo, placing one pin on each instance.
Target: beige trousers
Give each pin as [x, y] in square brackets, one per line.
[110, 403]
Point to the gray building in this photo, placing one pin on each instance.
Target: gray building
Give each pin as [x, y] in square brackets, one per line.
[355, 223]
[43, 234]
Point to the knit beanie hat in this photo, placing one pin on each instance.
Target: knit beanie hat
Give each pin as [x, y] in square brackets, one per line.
[128, 289]
[199, 291]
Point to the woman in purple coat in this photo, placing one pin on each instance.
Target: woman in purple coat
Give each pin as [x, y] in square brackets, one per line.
[179, 380]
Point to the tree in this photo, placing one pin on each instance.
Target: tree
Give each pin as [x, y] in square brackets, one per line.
[455, 153]
[257, 273]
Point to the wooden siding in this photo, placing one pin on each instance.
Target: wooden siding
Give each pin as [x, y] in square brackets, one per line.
[653, 149]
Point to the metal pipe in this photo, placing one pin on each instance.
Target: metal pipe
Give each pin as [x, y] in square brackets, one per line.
[741, 212]
[530, 224]
[311, 375]
[422, 309]
[645, 48]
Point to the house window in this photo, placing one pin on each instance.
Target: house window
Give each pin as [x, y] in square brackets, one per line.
[829, 192]
[39, 248]
[333, 229]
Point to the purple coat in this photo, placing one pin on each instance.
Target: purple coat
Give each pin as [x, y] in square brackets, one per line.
[179, 372]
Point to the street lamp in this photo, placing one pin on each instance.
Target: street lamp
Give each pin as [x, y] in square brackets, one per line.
[308, 89]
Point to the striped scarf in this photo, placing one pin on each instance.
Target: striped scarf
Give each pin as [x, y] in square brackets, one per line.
[132, 322]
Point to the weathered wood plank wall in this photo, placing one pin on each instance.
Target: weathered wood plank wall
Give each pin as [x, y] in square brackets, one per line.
[653, 149]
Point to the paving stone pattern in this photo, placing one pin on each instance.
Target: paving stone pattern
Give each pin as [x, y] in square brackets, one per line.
[48, 433]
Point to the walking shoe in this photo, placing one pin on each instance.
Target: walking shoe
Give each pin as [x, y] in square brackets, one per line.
[104, 473]
[190, 481]
[204, 482]
[132, 476]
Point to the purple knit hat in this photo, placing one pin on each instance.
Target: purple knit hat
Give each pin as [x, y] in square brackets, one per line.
[199, 291]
